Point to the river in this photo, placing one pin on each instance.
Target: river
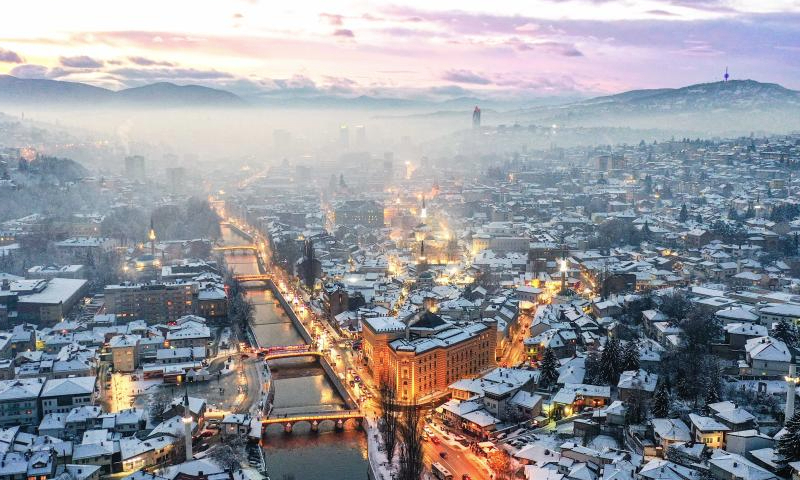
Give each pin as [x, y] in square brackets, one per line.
[300, 385]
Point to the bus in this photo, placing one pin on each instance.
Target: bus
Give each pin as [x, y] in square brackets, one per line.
[440, 472]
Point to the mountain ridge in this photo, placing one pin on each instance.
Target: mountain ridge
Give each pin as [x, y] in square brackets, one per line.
[24, 90]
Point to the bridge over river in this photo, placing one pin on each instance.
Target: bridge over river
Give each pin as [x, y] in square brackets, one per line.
[287, 347]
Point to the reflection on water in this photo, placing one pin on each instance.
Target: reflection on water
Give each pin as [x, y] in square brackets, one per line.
[300, 384]
[327, 455]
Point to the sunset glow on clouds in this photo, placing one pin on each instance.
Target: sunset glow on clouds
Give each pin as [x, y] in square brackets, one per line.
[441, 48]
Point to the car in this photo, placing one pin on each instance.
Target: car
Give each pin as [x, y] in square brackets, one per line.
[436, 440]
[244, 356]
[466, 477]
[443, 454]
[207, 433]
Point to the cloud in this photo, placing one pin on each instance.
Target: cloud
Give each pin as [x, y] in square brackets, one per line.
[662, 13]
[528, 27]
[150, 75]
[80, 62]
[149, 62]
[344, 32]
[332, 18]
[449, 91]
[7, 56]
[465, 76]
[557, 48]
[30, 71]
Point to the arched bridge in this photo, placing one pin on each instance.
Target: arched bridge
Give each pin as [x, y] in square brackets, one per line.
[289, 351]
[278, 356]
[339, 419]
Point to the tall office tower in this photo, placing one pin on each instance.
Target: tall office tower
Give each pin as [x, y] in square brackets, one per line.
[476, 117]
[361, 136]
[344, 136]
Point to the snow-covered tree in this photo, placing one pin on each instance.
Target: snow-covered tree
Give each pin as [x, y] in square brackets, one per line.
[549, 368]
[684, 215]
[630, 356]
[661, 403]
[785, 333]
[789, 443]
[609, 368]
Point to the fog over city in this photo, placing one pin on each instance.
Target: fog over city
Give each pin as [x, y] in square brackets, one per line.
[539, 240]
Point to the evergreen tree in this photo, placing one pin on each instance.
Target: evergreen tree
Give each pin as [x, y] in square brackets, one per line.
[635, 408]
[592, 367]
[785, 333]
[789, 443]
[549, 368]
[630, 356]
[646, 230]
[712, 396]
[609, 368]
[661, 404]
[684, 388]
[684, 215]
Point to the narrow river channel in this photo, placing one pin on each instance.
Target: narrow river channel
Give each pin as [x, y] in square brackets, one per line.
[300, 385]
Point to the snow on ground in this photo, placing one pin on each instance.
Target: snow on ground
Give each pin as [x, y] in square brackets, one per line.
[145, 386]
[602, 442]
[565, 428]
[773, 386]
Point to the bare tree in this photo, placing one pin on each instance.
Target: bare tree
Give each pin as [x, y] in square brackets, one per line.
[229, 455]
[389, 418]
[411, 444]
[160, 401]
[179, 449]
[502, 465]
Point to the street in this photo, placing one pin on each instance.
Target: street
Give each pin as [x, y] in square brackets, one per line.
[458, 459]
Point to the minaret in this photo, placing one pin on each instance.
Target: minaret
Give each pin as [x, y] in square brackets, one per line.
[187, 426]
[563, 269]
[422, 261]
[424, 212]
[152, 237]
[791, 386]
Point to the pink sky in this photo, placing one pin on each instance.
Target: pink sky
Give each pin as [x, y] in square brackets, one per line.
[432, 49]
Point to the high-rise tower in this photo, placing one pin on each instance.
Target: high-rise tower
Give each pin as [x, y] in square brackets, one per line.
[476, 118]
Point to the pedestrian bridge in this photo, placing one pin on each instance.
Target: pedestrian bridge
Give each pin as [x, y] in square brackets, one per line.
[236, 248]
[252, 278]
[339, 419]
[289, 351]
